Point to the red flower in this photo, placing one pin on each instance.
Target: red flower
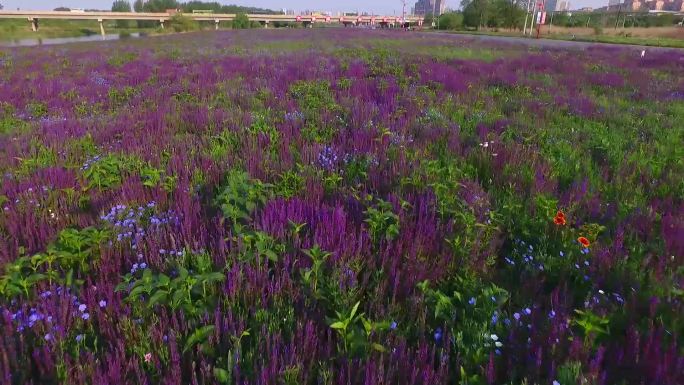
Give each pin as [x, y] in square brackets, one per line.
[559, 219]
[584, 241]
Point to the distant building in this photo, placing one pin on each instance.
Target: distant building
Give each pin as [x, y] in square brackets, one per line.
[557, 6]
[654, 5]
[563, 6]
[426, 7]
[550, 5]
[613, 4]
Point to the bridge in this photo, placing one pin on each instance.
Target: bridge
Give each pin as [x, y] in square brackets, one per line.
[34, 16]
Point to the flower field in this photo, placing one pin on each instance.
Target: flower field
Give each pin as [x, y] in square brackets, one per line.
[336, 206]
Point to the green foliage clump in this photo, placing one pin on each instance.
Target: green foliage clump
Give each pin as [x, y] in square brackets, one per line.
[382, 222]
[181, 23]
[66, 261]
[240, 196]
[241, 21]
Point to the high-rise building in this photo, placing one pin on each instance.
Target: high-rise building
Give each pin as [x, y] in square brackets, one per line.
[557, 5]
[550, 5]
[426, 7]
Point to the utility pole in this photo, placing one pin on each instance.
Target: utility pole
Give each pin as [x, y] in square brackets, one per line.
[434, 6]
[403, 13]
[527, 14]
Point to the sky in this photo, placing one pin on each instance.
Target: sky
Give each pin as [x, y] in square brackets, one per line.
[387, 7]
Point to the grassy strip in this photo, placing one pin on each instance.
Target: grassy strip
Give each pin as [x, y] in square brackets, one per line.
[609, 39]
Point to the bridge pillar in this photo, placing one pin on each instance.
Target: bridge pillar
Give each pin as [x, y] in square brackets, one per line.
[216, 23]
[34, 23]
[266, 24]
[161, 23]
[102, 31]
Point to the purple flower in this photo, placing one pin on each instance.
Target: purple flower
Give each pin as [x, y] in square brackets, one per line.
[82, 307]
[79, 337]
[102, 303]
[393, 325]
[85, 316]
[528, 311]
[472, 301]
[516, 316]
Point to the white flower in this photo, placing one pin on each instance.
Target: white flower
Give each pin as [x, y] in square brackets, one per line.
[494, 337]
[498, 344]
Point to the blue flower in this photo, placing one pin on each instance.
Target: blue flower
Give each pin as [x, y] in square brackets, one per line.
[48, 337]
[82, 307]
[472, 301]
[516, 316]
[498, 352]
[103, 303]
[438, 334]
[85, 316]
[79, 338]
[143, 265]
[556, 383]
[393, 325]
[562, 254]
[552, 314]
[528, 311]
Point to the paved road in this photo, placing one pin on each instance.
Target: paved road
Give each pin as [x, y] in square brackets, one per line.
[552, 43]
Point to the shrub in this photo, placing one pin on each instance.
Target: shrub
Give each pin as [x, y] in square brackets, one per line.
[180, 23]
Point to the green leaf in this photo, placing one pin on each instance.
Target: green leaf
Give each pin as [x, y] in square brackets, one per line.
[222, 375]
[198, 336]
[378, 347]
[354, 309]
[338, 325]
[159, 296]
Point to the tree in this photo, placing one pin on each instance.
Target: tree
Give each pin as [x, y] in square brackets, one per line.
[159, 5]
[138, 5]
[241, 21]
[121, 6]
[507, 13]
[180, 23]
[451, 20]
[476, 13]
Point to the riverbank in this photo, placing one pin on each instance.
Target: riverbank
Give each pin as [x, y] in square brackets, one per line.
[13, 29]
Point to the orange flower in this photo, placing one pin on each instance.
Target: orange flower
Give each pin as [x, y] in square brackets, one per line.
[559, 219]
[584, 241]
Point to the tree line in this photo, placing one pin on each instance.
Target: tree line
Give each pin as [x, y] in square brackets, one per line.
[180, 23]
